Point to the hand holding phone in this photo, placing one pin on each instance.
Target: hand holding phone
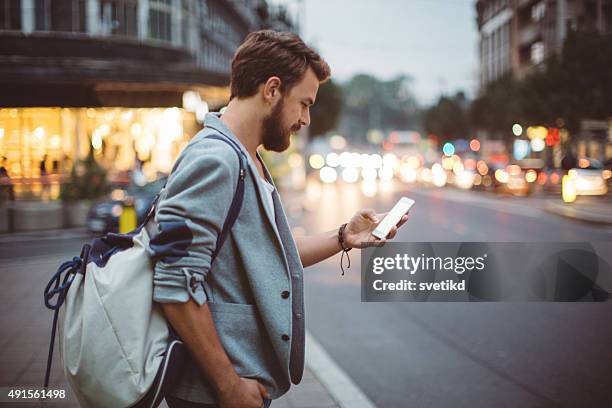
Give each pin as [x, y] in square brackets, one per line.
[393, 217]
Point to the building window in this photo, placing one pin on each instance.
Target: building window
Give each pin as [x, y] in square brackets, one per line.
[538, 11]
[537, 52]
[10, 14]
[60, 15]
[186, 14]
[42, 15]
[120, 17]
[160, 20]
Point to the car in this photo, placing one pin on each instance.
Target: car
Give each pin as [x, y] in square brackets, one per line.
[588, 181]
[103, 216]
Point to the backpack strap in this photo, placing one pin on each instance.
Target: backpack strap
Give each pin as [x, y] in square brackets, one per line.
[236, 205]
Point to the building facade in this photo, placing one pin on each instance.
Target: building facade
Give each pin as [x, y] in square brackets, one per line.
[516, 36]
[126, 78]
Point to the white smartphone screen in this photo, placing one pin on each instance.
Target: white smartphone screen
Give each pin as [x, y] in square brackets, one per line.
[393, 217]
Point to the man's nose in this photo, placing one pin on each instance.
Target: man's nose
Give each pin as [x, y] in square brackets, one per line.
[305, 119]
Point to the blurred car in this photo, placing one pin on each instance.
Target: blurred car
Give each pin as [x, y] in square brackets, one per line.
[103, 216]
[512, 180]
[550, 180]
[589, 181]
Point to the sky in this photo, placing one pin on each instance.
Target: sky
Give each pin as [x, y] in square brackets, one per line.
[432, 41]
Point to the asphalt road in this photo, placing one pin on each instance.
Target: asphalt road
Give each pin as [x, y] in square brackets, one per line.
[459, 354]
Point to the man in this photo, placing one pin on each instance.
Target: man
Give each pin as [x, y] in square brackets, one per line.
[242, 318]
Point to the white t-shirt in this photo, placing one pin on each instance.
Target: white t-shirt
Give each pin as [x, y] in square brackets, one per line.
[269, 190]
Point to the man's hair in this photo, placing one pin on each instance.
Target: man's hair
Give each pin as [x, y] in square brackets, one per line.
[268, 53]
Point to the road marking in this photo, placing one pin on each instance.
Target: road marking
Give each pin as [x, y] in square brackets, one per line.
[340, 386]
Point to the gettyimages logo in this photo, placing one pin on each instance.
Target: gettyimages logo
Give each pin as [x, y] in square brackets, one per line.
[412, 265]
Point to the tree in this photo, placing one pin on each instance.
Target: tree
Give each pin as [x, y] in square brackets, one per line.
[499, 107]
[377, 104]
[448, 118]
[567, 88]
[325, 112]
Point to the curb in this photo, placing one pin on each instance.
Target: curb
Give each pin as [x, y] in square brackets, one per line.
[44, 235]
[577, 213]
[339, 385]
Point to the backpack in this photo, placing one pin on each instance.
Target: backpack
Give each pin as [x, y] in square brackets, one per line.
[117, 348]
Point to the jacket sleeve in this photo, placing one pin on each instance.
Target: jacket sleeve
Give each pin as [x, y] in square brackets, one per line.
[190, 216]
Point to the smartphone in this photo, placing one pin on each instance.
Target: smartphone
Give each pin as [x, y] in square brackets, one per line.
[393, 217]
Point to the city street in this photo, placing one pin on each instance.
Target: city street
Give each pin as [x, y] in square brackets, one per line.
[399, 354]
[459, 354]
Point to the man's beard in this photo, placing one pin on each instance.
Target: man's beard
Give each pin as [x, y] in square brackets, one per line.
[275, 136]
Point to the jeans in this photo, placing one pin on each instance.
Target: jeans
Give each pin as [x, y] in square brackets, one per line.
[174, 402]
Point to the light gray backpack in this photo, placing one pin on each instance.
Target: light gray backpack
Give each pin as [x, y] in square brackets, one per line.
[116, 347]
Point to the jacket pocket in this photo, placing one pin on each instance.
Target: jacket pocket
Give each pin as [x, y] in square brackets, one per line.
[243, 337]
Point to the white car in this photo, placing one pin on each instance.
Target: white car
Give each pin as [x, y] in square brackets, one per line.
[588, 181]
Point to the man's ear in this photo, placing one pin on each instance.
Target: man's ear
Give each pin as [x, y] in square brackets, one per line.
[271, 90]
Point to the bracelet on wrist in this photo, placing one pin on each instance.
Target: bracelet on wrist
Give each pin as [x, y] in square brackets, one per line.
[344, 247]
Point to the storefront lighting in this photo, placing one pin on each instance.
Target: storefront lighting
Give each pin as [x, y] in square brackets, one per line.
[127, 115]
[55, 142]
[136, 129]
[96, 140]
[201, 111]
[191, 101]
[105, 130]
[39, 133]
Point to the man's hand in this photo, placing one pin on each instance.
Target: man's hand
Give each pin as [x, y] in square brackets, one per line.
[245, 393]
[360, 227]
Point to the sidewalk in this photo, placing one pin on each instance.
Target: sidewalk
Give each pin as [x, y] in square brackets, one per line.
[26, 330]
[60, 233]
[590, 209]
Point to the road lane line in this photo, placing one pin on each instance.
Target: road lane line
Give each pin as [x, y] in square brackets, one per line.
[340, 386]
